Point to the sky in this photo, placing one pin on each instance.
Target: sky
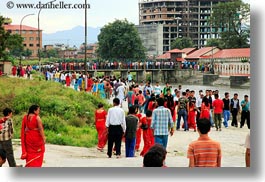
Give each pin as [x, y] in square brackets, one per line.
[101, 12]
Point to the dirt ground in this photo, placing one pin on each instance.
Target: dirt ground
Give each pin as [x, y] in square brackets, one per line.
[232, 143]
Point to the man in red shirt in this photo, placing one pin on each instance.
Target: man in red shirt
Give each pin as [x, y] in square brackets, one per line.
[217, 110]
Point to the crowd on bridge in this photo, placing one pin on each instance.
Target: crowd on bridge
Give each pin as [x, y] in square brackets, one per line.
[115, 65]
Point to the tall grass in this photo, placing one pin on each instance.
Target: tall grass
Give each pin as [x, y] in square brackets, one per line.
[67, 115]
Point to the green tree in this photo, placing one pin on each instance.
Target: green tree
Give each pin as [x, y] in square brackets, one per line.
[15, 45]
[181, 43]
[120, 40]
[229, 19]
[10, 44]
[52, 53]
[214, 43]
[27, 53]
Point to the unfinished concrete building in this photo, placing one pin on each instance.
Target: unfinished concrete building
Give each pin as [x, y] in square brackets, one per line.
[180, 18]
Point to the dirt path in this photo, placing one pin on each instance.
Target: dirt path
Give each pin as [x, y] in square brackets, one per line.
[232, 143]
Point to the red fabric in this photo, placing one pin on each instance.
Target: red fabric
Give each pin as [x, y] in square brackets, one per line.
[151, 106]
[32, 143]
[68, 80]
[100, 118]
[138, 133]
[191, 118]
[205, 111]
[218, 105]
[14, 70]
[89, 84]
[148, 136]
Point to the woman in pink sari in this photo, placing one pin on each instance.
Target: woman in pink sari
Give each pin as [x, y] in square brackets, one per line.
[32, 138]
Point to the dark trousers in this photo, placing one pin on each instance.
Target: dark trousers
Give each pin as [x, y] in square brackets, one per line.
[130, 147]
[245, 115]
[234, 115]
[115, 136]
[8, 147]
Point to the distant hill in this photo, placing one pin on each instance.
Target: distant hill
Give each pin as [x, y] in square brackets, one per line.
[75, 36]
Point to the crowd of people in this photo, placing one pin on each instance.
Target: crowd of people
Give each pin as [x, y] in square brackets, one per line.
[154, 113]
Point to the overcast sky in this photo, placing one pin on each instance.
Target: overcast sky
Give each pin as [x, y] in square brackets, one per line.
[53, 20]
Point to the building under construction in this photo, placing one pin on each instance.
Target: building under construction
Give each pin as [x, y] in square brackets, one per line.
[180, 18]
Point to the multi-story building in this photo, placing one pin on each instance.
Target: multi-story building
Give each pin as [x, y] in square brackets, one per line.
[180, 18]
[30, 36]
[152, 38]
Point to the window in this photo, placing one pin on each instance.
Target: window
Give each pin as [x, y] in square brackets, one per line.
[38, 45]
[37, 38]
[23, 31]
[25, 45]
[17, 32]
[31, 38]
[31, 32]
[24, 38]
[30, 45]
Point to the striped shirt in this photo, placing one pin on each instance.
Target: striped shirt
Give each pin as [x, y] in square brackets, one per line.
[206, 152]
[161, 121]
[6, 130]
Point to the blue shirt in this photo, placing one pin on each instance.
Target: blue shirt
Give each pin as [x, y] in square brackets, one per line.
[247, 106]
[161, 121]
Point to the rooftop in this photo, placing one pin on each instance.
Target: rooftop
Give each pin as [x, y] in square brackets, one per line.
[17, 27]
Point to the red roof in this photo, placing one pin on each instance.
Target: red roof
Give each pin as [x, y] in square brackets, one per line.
[176, 51]
[180, 59]
[200, 53]
[232, 53]
[167, 55]
[17, 27]
[188, 51]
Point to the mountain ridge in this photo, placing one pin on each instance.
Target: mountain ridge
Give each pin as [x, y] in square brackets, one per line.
[72, 37]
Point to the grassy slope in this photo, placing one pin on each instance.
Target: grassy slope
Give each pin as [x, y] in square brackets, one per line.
[67, 115]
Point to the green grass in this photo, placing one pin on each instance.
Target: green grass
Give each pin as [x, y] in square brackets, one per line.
[67, 115]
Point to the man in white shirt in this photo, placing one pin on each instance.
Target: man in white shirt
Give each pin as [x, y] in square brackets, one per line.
[121, 93]
[116, 125]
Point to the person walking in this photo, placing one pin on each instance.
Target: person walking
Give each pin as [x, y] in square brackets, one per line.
[100, 122]
[226, 109]
[183, 107]
[235, 108]
[148, 137]
[32, 138]
[217, 109]
[6, 134]
[162, 123]
[130, 133]
[116, 125]
[245, 114]
[204, 152]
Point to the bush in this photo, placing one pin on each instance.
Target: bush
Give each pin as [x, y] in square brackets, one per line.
[67, 115]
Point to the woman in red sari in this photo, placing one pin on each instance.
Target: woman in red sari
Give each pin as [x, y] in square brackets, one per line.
[148, 136]
[100, 120]
[68, 80]
[32, 138]
[192, 115]
[205, 110]
[139, 130]
[14, 70]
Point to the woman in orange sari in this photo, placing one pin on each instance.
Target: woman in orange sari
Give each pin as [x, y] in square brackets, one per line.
[100, 120]
[32, 138]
